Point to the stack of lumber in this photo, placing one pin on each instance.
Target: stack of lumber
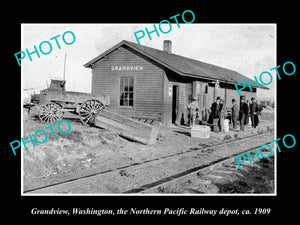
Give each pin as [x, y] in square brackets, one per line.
[127, 127]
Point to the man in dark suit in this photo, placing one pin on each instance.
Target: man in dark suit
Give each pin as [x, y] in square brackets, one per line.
[254, 111]
[215, 114]
[244, 109]
[235, 113]
[216, 108]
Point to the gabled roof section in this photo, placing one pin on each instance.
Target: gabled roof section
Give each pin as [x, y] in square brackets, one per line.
[90, 63]
[181, 65]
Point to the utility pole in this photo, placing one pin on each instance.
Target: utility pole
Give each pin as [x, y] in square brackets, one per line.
[64, 75]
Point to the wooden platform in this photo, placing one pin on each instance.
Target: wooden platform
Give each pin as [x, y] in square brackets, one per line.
[127, 127]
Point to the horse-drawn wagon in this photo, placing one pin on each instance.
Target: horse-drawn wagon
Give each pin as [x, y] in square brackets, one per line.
[92, 109]
[55, 101]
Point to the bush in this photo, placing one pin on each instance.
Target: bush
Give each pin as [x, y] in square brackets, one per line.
[75, 136]
[227, 137]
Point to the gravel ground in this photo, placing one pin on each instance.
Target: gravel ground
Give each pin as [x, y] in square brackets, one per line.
[257, 178]
[88, 150]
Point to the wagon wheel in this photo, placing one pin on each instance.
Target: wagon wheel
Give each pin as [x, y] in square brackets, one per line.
[51, 112]
[89, 109]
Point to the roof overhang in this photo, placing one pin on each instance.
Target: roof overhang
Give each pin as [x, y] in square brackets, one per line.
[94, 60]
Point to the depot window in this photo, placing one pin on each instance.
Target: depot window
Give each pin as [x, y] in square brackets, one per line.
[126, 91]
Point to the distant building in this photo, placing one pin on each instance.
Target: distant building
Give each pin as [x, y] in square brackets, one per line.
[265, 103]
[144, 82]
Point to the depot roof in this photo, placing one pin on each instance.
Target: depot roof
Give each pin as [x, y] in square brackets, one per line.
[181, 65]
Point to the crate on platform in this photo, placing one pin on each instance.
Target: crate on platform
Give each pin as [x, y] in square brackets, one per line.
[200, 131]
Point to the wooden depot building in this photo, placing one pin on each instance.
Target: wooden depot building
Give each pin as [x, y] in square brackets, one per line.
[148, 83]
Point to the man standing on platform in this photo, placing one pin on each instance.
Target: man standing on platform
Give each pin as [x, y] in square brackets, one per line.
[244, 109]
[234, 114]
[214, 116]
[222, 115]
[254, 111]
[193, 108]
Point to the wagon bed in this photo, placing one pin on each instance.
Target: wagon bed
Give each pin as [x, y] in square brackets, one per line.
[55, 102]
[70, 99]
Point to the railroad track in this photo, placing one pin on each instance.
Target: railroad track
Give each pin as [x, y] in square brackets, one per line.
[170, 184]
[102, 178]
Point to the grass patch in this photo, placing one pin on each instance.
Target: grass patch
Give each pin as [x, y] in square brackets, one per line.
[227, 137]
[256, 179]
[74, 136]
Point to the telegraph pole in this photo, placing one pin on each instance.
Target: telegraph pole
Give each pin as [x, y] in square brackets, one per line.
[64, 75]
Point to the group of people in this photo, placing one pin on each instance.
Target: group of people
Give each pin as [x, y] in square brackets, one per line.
[247, 110]
[217, 115]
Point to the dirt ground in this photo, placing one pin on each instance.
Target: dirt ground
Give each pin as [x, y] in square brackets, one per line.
[89, 150]
[257, 178]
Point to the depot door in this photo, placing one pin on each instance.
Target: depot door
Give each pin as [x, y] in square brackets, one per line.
[175, 103]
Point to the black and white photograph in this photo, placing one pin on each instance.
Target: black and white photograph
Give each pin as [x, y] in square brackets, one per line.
[149, 110]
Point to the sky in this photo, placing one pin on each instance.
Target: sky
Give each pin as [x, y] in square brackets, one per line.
[248, 49]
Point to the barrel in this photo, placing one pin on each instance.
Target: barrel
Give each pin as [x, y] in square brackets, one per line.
[226, 125]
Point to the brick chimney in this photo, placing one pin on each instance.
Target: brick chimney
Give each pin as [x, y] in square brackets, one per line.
[167, 46]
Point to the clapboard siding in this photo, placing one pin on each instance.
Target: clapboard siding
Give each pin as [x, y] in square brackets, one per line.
[157, 72]
[167, 102]
[147, 100]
